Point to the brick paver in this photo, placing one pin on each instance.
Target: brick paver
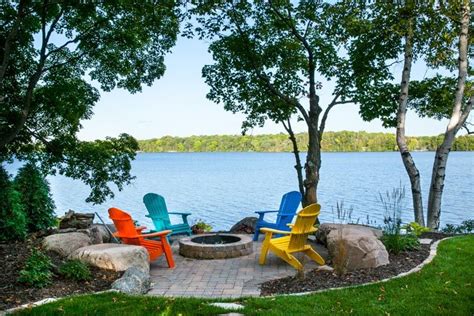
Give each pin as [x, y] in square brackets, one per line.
[220, 277]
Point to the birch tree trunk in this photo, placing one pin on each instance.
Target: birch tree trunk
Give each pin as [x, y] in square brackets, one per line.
[458, 117]
[407, 159]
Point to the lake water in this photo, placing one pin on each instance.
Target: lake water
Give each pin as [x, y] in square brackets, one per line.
[222, 188]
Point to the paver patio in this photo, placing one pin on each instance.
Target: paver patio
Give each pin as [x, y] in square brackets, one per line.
[220, 277]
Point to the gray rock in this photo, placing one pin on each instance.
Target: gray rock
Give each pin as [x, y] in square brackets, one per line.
[326, 228]
[117, 257]
[104, 234]
[362, 247]
[76, 220]
[133, 281]
[66, 243]
[245, 226]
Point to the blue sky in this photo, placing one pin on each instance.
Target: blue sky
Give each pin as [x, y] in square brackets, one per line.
[176, 105]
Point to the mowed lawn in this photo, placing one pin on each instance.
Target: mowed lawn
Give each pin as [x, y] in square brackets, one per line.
[444, 287]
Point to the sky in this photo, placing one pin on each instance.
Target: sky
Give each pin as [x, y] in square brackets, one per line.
[176, 105]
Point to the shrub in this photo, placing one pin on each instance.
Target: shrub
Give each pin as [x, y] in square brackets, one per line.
[416, 228]
[12, 216]
[76, 270]
[397, 243]
[35, 198]
[37, 270]
[201, 227]
[466, 227]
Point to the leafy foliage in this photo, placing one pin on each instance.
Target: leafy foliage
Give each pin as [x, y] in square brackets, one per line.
[36, 199]
[466, 227]
[49, 50]
[37, 270]
[201, 227]
[397, 243]
[415, 228]
[343, 141]
[12, 216]
[76, 270]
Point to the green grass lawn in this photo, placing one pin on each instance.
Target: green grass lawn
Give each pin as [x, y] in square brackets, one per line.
[446, 286]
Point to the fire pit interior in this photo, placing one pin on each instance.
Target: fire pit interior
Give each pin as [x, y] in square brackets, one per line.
[215, 246]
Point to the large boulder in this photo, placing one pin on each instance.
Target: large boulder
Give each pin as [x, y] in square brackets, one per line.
[117, 257]
[245, 226]
[326, 228]
[76, 220]
[362, 248]
[65, 244]
[133, 281]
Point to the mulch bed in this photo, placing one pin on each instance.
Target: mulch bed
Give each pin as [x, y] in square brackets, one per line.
[435, 235]
[12, 293]
[319, 280]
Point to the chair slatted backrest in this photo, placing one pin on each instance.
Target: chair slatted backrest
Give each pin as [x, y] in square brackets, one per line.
[304, 226]
[124, 224]
[288, 206]
[156, 206]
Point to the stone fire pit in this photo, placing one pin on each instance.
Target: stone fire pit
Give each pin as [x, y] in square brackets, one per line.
[215, 246]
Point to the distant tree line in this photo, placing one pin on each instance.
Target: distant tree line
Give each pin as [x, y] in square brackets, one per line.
[344, 141]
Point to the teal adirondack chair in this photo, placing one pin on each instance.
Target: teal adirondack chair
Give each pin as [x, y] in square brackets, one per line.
[158, 212]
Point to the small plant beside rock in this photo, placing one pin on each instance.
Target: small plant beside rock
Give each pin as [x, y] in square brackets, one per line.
[75, 270]
[201, 227]
[393, 203]
[37, 271]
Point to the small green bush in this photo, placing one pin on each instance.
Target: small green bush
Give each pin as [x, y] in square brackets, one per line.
[37, 270]
[466, 227]
[75, 270]
[35, 198]
[416, 228]
[12, 216]
[201, 226]
[397, 243]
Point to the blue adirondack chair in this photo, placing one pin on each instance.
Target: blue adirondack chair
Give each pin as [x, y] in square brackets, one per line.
[288, 206]
[158, 212]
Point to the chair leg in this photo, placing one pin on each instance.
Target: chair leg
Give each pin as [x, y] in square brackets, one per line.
[265, 248]
[315, 256]
[168, 252]
[257, 232]
[291, 260]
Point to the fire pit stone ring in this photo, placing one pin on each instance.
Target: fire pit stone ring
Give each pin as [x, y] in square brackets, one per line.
[215, 246]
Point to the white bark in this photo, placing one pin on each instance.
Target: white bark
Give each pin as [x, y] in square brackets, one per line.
[458, 118]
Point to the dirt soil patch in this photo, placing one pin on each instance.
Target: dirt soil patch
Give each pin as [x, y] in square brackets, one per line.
[14, 293]
[319, 280]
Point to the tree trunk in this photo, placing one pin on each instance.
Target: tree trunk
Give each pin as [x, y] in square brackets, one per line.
[312, 165]
[296, 152]
[458, 117]
[407, 159]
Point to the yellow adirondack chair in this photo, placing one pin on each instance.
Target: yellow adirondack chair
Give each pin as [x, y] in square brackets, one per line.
[284, 247]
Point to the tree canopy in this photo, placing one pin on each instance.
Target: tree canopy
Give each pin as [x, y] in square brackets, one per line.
[53, 55]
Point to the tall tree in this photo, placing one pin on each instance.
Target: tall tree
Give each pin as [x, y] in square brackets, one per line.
[413, 31]
[270, 58]
[50, 53]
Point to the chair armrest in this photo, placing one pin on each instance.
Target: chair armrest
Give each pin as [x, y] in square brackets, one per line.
[290, 225]
[263, 212]
[275, 231]
[140, 228]
[180, 213]
[162, 233]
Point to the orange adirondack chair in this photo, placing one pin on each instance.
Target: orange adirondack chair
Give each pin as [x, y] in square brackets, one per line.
[132, 235]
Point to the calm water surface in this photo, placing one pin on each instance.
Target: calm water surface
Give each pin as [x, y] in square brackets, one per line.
[222, 188]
